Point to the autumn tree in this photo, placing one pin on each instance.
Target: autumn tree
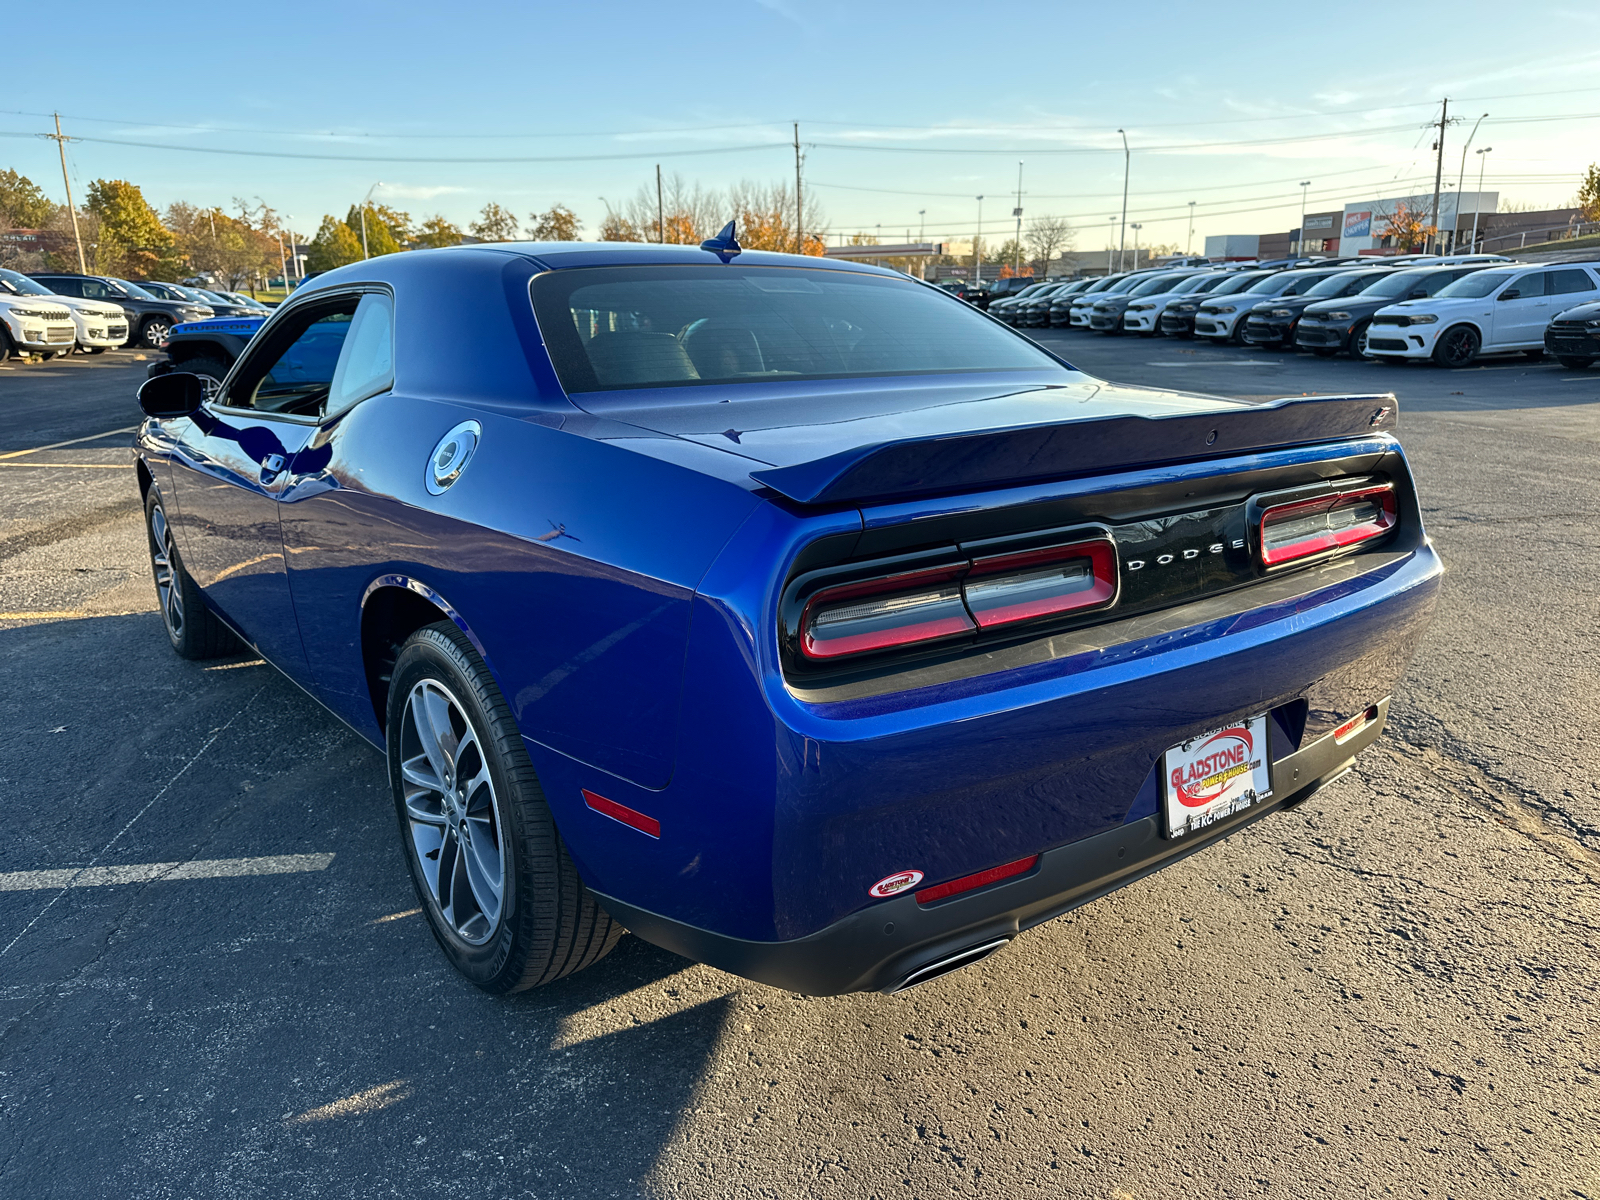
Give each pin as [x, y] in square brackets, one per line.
[396, 222]
[1048, 237]
[436, 232]
[766, 217]
[230, 249]
[1408, 227]
[617, 228]
[560, 224]
[378, 239]
[132, 241]
[1589, 194]
[22, 204]
[335, 245]
[494, 224]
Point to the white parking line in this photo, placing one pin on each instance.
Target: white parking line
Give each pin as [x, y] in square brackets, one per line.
[72, 442]
[200, 868]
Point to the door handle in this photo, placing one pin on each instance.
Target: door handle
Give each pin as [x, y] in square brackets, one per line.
[271, 465]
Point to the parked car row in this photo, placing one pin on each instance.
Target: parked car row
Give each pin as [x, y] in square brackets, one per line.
[49, 313]
[1449, 310]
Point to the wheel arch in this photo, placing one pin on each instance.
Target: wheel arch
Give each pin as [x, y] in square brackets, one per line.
[146, 479]
[392, 609]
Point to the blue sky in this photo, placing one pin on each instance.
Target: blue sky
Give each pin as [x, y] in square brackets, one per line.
[903, 108]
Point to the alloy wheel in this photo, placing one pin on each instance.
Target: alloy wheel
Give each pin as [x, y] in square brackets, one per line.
[1458, 347]
[155, 332]
[453, 812]
[163, 560]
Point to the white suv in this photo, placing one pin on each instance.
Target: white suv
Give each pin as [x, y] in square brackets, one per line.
[33, 326]
[1498, 310]
[97, 324]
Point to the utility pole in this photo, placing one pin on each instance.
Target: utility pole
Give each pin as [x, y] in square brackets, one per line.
[61, 140]
[799, 207]
[1189, 245]
[1127, 164]
[661, 212]
[1438, 174]
[1016, 252]
[978, 245]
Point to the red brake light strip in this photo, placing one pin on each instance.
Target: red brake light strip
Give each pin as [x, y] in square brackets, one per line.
[980, 879]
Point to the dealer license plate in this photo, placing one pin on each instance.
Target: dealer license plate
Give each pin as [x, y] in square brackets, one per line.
[1215, 775]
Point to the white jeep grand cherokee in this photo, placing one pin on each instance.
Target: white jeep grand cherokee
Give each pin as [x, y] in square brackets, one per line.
[96, 324]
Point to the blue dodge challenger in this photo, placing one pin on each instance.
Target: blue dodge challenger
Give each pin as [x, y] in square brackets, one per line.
[792, 614]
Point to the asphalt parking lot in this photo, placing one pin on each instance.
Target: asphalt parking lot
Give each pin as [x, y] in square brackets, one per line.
[1392, 990]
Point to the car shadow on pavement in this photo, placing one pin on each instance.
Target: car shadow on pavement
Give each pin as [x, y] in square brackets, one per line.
[289, 1033]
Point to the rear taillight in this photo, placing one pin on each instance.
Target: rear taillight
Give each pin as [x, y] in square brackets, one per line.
[1041, 583]
[958, 597]
[1300, 529]
[880, 614]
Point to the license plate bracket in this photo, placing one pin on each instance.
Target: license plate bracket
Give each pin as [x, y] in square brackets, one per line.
[1215, 775]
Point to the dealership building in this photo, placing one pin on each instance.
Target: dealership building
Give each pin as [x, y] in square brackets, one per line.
[1358, 228]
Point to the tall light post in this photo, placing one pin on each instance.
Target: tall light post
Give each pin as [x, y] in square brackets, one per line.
[1189, 246]
[1461, 178]
[1127, 165]
[1477, 200]
[977, 247]
[365, 204]
[1136, 227]
[1016, 249]
[922, 224]
[1109, 246]
[1300, 244]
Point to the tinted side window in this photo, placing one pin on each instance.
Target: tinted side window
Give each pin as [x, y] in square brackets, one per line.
[292, 372]
[65, 287]
[366, 362]
[1530, 285]
[1570, 280]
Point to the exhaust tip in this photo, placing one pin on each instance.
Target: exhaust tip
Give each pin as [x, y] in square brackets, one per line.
[943, 966]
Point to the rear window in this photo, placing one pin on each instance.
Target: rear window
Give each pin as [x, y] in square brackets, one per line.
[615, 328]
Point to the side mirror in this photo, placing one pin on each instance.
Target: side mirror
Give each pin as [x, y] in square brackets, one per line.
[1508, 294]
[176, 394]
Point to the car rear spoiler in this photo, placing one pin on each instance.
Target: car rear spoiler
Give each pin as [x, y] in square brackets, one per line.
[1061, 450]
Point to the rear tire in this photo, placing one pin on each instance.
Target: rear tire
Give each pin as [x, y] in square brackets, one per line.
[193, 629]
[491, 872]
[1457, 346]
[1573, 361]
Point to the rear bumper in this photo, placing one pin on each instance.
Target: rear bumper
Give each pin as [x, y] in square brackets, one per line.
[899, 941]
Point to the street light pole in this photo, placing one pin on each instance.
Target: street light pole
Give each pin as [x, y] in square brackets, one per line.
[1016, 249]
[977, 247]
[1189, 247]
[365, 204]
[1127, 165]
[1109, 246]
[1460, 178]
[1300, 244]
[1136, 227]
[922, 224]
[1477, 200]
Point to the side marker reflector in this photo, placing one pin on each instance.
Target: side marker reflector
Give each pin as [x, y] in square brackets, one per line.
[631, 817]
[1355, 725]
[981, 879]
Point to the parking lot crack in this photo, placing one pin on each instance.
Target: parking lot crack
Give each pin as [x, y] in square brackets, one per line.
[52, 532]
